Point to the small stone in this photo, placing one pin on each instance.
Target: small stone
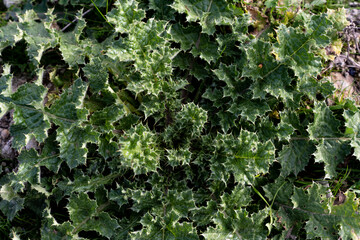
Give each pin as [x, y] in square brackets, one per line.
[6, 148]
[6, 151]
[32, 144]
[5, 134]
[9, 3]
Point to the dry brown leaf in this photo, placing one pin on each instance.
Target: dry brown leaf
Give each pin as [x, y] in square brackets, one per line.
[345, 86]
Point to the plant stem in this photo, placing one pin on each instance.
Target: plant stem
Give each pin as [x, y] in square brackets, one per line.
[101, 14]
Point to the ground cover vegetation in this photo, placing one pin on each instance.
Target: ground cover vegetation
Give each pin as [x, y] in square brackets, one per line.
[177, 119]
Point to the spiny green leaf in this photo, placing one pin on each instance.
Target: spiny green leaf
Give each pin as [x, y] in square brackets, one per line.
[72, 48]
[103, 224]
[279, 192]
[204, 214]
[238, 225]
[145, 200]
[331, 153]
[226, 121]
[81, 208]
[249, 109]
[206, 49]
[268, 75]
[38, 36]
[73, 144]
[120, 51]
[231, 75]
[293, 46]
[348, 216]
[311, 205]
[325, 125]
[29, 169]
[209, 13]
[50, 157]
[194, 66]
[317, 28]
[267, 130]
[260, 60]
[291, 118]
[147, 36]
[352, 122]
[215, 95]
[11, 203]
[196, 116]
[29, 115]
[97, 74]
[87, 215]
[118, 195]
[239, 197]
[244, 156]
[178, 156]
[162, 9]
[330, 150]
[5, 82]
[156, 64]
[139, 150]
[124, 15]
[9, 35]
[277, 83]
[180, 202]
[72, 53]
[165, 228]
[189, 122]
[84, 183]
[295, 156]
[67, 110]
[107, 146]
[312, 86]
[29, 118]
[105, 118]
[188, 37]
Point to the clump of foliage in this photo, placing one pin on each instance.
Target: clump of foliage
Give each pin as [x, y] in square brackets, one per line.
[180, 119]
